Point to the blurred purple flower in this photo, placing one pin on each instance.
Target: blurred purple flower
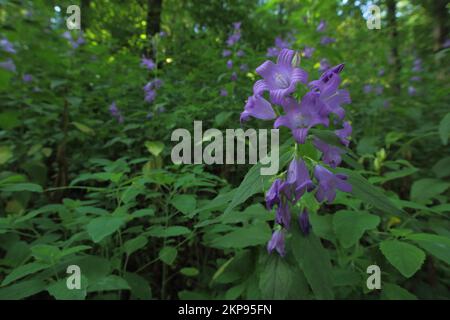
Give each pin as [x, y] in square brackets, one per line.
[324, 65]
[240, 53]
[327, 40]
[226, 53]
[234, 76]
[27, 78]
[243, 67]
[223, 92]
[328, 183]
[367, 88]
[416, 78]
[8, 65]
[277, 243]
[308, 52]
[417, 65]
[150, 96]
[280, 43]
[7, 46]
[148, 63]
[272, 52]
[322, 26]
[381, 72]
[379, 90]
[412, 91]
[230, 64]
[233, 39]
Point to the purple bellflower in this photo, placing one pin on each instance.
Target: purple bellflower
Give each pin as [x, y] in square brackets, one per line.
[331, 154]
[27, 78]
[327, 40]
[277, 243]
[226, 53]
[303, 221]
[223, 92]
[148, 63]
[328, 183]
[8, 65]
[7, 46]
[344, 133]
[308, 52]
[259, 108]
[273, 196]
[280, 79]
[230, 64]
[322, 26]
[302, 117]
[283, 215]
[324, 65]
[298, 180]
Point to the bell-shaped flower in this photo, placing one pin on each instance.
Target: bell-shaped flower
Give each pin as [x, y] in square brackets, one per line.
[344, 133]
[298, 181]
[301, 117]
[328, 183]
[273, 196]
[280, 79]
[277, 243]
[303, 221]
[331, 154]
[283, 215]
[259, 108]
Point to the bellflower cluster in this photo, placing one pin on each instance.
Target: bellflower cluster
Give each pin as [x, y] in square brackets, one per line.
[280, 44]
[308, 52]
[150, 90]
[417, 68]
[8, 65]
[323, 98]
[325, 40]
[148, 63]
[233, 53]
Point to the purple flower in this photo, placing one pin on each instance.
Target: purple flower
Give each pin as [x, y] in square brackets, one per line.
[230, 64]
[328, 183]
[379, 90]
[162, 34]
[149, 116]
[446, 44]
[226, 53]
[243, 67]
[303, 221]
[148, 63]
[331, 154]
[344, 133]
[416, 78]
[277, 243]
[327, 40]
[273, 196]
[302, 117]
[154, 84]
[234, 76]
[386, 104]
[412, 91]
[67, 35]
[322, 26]
[330, 95]
[8, 65]
[381, 72]
[297, 181]
[367, 88]
[283, 215]
[417, 65]
[280, 79]
[150, 95]
[7, 46]
[259, 108]
[237, 25]
[114, 110]
[308, 52]
[281, 43]
[272, 52]
[324, 65]
[223, 92]
[27, 78]
[233, 39]
[240, 53]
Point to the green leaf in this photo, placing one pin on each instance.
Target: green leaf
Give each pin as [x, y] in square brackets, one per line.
[392, 291]
[135, 244]
[168, 255]
[22, 290]
[143, 213]
[9, 120]
[444, 129]
[108, 283]
[101, 227]
[172, 231]
[251, 235]
[254, 182]
[5, 154]
[425, 189]
[84, 128]
[185, 203]
[18, 187]
[140, 288]
[366, 192]
[154, 147]
[438, 246]
[315, 263]
[46, 253]
[60, 291]
[405, 257]
[442, 168]
[276, 278]
[190, 272]
[350, 226]
[23, 271]
[393, 175]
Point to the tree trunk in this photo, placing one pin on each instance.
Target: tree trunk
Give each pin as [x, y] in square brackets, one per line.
[440, 16]
[153, 24]
[395, 58]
